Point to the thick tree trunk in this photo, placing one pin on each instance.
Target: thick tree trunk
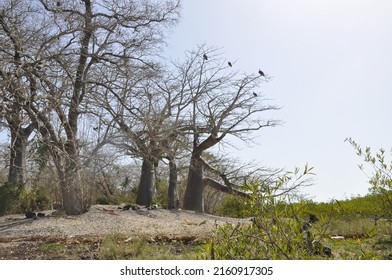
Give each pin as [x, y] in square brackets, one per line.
[71, 194]
[146, 189]
[172, 190]
[18, 148]
[68, 168]
[70, 187]
[193, 198]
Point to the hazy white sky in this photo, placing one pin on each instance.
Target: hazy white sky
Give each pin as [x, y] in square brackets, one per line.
[332, 65]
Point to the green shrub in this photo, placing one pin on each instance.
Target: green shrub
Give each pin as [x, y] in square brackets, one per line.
[277, 229]
[103, 201]
[9, 194]
[33, 200]
[233, 206]
[160, 197]
[381, 178]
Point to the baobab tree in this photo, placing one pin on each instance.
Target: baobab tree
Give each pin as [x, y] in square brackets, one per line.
[196, 103]
[222, 104]
[147, 119]
[20, 128]
[11, 107]
[63, 47]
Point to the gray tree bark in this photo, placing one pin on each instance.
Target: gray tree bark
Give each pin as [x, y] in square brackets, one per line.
[147, 184]
[172, 189]
[18, 147]
[193, 198]
[17, 166]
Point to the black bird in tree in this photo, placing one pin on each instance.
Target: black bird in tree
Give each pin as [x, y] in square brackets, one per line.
[231, 65]
[205, 57]
[261, 73]
[254, 94]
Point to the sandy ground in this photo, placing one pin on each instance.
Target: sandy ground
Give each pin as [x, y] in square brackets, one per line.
[21, 238]
[105, 219]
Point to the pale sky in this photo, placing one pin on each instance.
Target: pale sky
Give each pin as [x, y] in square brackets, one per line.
[332, 65]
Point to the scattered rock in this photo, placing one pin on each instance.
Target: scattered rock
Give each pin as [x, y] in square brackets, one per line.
[127, 207]
[135, 207]
[30, 215]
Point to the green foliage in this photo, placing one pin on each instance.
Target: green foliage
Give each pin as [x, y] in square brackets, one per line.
[362, 239]
[381, 178]
[277, 229]
[160, 197]
[369, 206]
[15, 198]
[265, 239]
[35, 199]
[360, 222]
[103, 200]
[233, 206]
[9, 194]
[110, 187]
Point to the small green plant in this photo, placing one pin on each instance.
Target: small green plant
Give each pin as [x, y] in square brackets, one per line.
[112, 247]
[59, 248]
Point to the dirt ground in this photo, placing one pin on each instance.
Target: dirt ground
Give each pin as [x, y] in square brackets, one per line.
[81, 237]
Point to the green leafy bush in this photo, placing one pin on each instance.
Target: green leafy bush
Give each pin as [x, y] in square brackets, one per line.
[9, 194]
[33, 200]
[233, 206]
[277, 229]
[381, 178]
